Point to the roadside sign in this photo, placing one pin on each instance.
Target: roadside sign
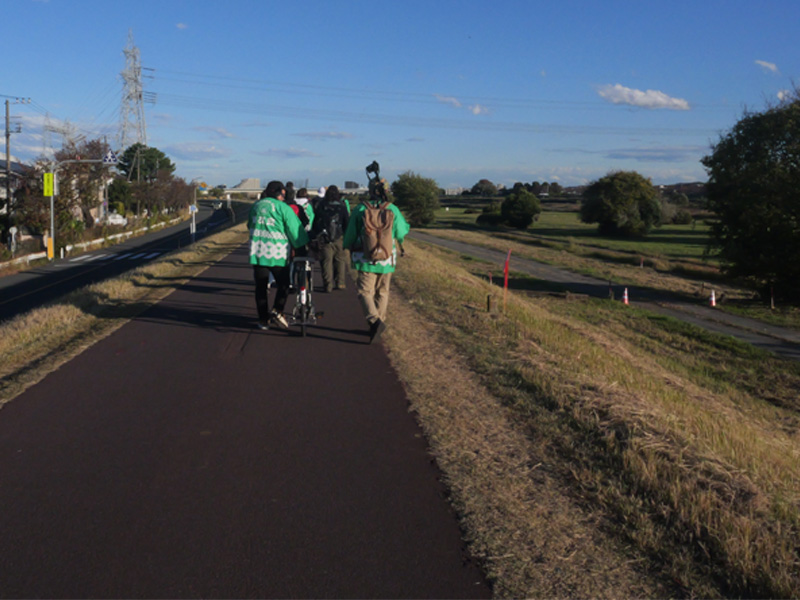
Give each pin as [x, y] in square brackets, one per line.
[48, 184]
[110, 158]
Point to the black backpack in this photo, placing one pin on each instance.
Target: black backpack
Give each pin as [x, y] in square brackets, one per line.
[328, 226]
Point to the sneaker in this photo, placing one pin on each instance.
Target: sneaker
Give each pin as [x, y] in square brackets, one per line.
[375, 330]
[263, 326]
[279, 320]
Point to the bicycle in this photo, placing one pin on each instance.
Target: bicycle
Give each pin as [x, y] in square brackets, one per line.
[302, 279]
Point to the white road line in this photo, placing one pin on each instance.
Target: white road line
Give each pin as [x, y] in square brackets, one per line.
[121, 256]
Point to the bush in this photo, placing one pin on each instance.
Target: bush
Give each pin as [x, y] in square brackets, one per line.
[520, 209]
[417, 196]
[623, 203]
[682, 217]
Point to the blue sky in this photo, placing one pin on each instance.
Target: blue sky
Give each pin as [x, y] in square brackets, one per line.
[452, 90]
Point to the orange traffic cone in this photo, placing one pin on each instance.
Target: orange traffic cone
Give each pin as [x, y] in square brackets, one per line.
[625, 296]
[713, 299]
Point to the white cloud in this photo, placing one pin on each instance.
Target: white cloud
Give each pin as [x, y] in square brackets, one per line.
[674, 154]
[448, 100]
[288, 153]
[257, 124]
[218, 131]
[325, 135]
[478, 109]
[768, 66]
[475, 109]
[619, 94]
[182, 26]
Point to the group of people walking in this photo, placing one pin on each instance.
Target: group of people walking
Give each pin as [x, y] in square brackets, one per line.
[286, 223]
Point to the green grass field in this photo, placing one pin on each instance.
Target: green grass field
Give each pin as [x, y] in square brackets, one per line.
[671, 242]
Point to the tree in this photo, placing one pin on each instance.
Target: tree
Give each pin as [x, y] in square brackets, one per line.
[417, 196]
[141, 163]
[32, 207]
[120, 195]
[623, 203]
[484, 188]
[520, 209]
[754, 177]
[79, 184]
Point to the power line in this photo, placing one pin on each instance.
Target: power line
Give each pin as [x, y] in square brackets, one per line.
[428, 122]
[222, 81]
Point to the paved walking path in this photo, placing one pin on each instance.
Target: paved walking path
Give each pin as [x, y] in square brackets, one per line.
[191, 455]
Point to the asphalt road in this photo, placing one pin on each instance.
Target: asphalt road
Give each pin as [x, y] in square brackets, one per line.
[781, 341]
[189, 454]
[23, 291]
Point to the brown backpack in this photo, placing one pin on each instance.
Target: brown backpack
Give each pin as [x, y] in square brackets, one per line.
[376, 234]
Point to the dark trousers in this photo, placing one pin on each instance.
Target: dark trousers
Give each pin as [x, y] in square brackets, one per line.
[333, 259]
[261, 276]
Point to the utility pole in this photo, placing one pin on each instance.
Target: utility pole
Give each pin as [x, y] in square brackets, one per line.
[8, 164]
[8, 152]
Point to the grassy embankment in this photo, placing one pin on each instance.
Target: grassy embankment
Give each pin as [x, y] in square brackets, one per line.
[597, 451]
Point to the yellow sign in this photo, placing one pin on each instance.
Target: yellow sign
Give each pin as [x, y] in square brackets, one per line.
[48, 184]
[50, 252]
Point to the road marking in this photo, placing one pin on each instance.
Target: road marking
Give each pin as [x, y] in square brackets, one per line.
[152, 255]
[121, 256]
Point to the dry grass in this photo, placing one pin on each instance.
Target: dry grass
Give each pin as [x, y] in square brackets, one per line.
[533, 539]
[35, 343]
[694, 466]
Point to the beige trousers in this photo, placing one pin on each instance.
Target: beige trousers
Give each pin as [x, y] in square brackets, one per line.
[373, 293]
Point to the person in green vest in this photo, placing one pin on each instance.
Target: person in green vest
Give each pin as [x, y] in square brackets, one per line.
[275, 233]
[374, 276]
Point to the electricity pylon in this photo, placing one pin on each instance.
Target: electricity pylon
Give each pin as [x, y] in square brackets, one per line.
[132, 127]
